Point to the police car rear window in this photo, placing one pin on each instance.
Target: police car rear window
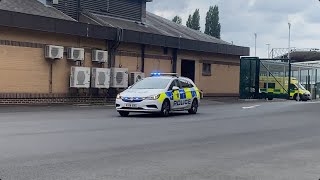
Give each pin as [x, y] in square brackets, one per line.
[186, 84]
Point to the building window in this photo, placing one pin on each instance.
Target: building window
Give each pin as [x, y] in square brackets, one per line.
[206, 69]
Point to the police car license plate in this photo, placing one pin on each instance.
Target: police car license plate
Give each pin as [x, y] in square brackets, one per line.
[130, 105]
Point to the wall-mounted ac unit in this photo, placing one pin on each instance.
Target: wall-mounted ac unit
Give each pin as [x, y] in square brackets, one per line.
[100, 78]
[75, 54]
[80, 77]
[119, 77]
[135, 77]
[99, 56]
[54, 52]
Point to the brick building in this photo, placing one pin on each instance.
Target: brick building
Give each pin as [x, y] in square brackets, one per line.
[134, 38]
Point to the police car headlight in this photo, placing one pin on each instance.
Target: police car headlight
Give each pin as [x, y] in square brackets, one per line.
[155, 97]
[119, 97]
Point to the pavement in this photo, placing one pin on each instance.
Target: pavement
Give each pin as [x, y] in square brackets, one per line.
[257, 140]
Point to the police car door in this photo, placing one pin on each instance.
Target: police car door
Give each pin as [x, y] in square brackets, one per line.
[186, 93]
[175, 95]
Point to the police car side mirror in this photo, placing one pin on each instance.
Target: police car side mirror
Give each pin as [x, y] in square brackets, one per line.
[175, 88]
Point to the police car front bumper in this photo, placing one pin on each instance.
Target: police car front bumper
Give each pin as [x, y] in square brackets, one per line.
[143, 106]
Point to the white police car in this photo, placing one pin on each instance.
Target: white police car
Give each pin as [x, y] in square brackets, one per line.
[160, 93]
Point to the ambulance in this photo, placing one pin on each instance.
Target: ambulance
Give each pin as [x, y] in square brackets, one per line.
[270, 87]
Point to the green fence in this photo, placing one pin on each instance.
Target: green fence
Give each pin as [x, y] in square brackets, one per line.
[269, 78]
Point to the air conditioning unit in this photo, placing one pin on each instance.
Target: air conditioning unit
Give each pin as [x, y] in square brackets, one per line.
[100, 56]
[80, 77]
[76, 54]
[100, 78]
[54, 52]
[119, 77]
[135, 77]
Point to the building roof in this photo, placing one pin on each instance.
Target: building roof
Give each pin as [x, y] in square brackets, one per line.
[33, 7]
[156, 25]
[34, 15]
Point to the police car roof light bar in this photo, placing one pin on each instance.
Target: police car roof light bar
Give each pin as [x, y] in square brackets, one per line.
[164, 74]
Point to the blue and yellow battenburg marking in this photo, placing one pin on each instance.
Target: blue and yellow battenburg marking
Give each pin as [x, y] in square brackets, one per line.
[183, 94]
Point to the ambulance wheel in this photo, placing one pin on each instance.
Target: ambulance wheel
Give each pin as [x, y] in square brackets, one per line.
[194, 107]
[295, 97]
[165, 109]
[124, 113]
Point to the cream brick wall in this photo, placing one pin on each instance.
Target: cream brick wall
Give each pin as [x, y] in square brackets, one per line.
[25, 62]
[132, 63]
[224, 78]
[23, 70]
[157, 65]
[49, 38]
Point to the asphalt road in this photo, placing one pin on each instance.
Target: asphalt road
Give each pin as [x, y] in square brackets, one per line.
[256, 140]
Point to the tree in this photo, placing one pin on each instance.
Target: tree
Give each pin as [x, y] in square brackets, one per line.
[189, 22]
[177, 19]
[213, 26]
[194, 20]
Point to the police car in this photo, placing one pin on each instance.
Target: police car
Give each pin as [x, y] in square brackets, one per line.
[159, 93]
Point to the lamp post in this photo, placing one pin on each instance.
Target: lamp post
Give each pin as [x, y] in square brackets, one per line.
[268, 50]
[289, 59]
[289, 41]
[255, 44]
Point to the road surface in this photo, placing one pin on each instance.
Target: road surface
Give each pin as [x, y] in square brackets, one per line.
[257, 140]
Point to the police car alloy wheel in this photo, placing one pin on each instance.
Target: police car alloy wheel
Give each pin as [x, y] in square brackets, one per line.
[194, 107]
[165, 110]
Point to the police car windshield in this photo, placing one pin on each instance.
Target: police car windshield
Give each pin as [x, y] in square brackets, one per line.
[151, 83]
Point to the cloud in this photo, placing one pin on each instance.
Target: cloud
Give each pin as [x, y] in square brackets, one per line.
[240, 19]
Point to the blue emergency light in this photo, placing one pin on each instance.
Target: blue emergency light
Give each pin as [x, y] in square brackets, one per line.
[163, 74]
[156, 74]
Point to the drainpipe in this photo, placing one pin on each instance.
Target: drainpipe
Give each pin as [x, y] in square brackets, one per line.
[143, 48]
[174, 60]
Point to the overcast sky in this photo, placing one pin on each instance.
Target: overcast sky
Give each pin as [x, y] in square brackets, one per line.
[240, 19]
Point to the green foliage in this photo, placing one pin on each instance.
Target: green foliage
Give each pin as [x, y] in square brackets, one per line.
[177, 19]
[213, 27]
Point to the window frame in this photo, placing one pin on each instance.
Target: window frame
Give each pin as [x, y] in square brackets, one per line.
[206, 71]
[189, 84]
[177, 82]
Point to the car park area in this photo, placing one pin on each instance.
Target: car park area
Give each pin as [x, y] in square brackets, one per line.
[224, 140]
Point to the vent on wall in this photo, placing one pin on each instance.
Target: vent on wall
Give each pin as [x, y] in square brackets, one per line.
[100, 56]
[119, 77]
[80, 77]
[100, 78]
[76, 54]
[135, 77]
[54, 52]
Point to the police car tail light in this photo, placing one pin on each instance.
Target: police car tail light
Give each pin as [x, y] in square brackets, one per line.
[155, 97]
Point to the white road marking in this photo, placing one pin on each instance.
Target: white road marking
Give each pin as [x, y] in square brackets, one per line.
[251, 107]
[314, 102]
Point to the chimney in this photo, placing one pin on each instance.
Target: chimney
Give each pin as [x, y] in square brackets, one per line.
[144, 10]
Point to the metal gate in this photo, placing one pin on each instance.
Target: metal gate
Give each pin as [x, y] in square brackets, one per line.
[277, 78]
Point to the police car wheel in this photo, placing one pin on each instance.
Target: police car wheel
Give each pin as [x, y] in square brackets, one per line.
[165, 110]
[194, 107]
[124, 113]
